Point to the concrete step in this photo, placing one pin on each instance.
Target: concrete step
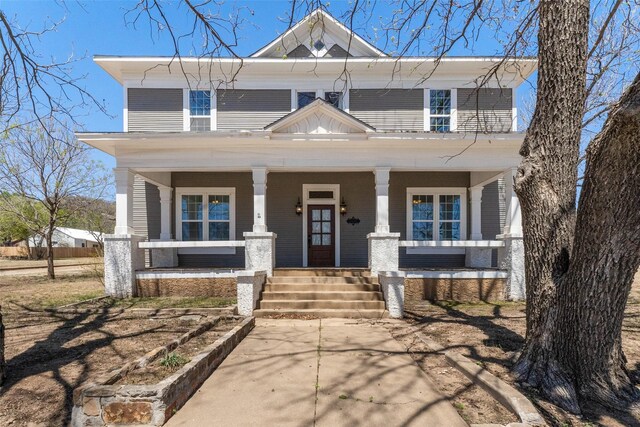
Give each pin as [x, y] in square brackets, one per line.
[322, 272]
[306, 295]
[319, 279]
[322, 313]
[320, 287]
[321, 304]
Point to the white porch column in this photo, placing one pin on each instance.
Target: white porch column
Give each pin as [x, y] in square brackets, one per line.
[511, 257]
[382, 199]
[165, 212]
[476, 212]
[124, 200]
[259, 200]
[165, 257]
[477, 257]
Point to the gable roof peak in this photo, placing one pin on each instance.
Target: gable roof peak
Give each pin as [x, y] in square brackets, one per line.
[321, 27]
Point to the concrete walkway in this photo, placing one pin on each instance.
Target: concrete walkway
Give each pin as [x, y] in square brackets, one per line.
[334, 372]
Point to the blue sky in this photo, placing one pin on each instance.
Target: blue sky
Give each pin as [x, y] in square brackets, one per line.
[99, 28]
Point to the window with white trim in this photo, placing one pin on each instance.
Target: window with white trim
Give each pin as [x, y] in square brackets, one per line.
[440, 110]
[334, 98]
[205, 214]
[200, 110]
[436, 214]
[305, 98]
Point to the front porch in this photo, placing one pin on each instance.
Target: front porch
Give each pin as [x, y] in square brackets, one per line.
[422, 224]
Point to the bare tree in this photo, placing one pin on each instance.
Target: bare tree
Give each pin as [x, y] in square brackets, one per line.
[47, 168]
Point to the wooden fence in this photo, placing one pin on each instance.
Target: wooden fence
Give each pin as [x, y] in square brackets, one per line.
[58, 253]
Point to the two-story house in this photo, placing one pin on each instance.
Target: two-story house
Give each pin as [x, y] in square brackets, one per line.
[317, 151]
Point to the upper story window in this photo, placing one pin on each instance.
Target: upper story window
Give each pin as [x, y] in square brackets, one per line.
[440, 110]
[305, 98]
[200, 110]
[334, 98]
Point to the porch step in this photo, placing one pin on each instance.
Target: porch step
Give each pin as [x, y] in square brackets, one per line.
[321, 279]
[291, 286]
[322, 272]
[322, 314]
[320, 295]
[321, 304]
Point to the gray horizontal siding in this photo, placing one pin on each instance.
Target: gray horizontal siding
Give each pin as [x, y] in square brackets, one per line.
[484, 110]
[146, 211]
[398, 183]
[251, 109]
[357, 189]
[154, 110]
[389, 109]
[243, 183]
[490, 211]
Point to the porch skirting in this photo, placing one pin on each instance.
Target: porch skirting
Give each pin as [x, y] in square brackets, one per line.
[186, 284]
[462, 286]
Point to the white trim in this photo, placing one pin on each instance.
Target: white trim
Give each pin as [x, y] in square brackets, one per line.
[451, 108]
[306, 188]
[474, 274]
[205, 192]
[193, 244]
[186, 119]
[451, 244]
[453, 121]
[436, 192]
[185, 274]
[214, 109]
[187, 109]
[125, 108]
[514, 111]
[427, 109]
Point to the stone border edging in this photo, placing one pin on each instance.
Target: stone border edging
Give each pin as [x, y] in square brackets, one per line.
[101, 403]
[507, 395]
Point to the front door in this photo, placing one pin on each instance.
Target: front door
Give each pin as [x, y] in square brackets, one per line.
[321, 235]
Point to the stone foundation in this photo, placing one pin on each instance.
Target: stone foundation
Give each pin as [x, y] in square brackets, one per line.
[219, 287]
[454, 289]
[100, 403]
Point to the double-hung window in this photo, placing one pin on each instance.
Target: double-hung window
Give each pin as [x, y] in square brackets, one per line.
[200, 110]
[440, 110]
[305, 98]
[205, 214]
[436, 214]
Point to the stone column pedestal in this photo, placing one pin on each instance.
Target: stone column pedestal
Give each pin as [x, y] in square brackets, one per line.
[260, 251]
[122, 257]
[511, 259]
[477, 257]
[392, 284]
[164, 257]
[250, 284]
[383, 252]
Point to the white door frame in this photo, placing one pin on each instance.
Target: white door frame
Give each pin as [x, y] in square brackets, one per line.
[335, 201]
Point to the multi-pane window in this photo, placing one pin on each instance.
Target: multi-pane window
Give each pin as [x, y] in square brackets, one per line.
[206, 215]
[305, 98]
[200, 110]
[334, 98]
[440, 110]
[435, 215]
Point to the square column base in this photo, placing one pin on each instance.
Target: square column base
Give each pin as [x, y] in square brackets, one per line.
[250, 284]
[392, 284]
[511, 258]
[383, 252]
[260, 251]
[122, 257]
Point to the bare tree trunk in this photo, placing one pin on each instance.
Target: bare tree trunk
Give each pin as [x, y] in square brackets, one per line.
[546, 187]
[579, 265]
[606, 256]
[50, 269]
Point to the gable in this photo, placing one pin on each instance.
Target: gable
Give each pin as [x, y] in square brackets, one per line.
[319, 118]
[321, 35]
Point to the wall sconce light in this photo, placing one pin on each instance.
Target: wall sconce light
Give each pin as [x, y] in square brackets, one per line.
[299, 207]
[343, 207]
